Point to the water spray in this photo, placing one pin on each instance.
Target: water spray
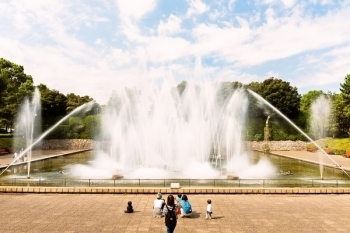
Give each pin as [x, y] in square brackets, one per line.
[258, 97]
[86, 105]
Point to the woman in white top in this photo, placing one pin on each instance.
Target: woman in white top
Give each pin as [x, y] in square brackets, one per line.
[158, 205]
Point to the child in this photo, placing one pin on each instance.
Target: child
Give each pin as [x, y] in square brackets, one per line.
[209, 210]
[129, 208]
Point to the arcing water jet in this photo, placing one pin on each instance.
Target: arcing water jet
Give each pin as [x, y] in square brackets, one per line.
[258, 97]
[86, 107]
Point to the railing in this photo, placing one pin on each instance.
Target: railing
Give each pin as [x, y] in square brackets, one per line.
[265, 183]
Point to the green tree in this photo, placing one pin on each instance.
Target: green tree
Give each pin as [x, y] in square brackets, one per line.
[345, 88]
[336, 114]
[281, 95]
[342, 107]
[307, 99]
[305, 108]
[74, 101]
[53, 106]
[15, 85]
[226, 89]
[181, 87]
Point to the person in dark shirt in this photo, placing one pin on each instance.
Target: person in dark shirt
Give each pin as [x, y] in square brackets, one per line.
[129, 208]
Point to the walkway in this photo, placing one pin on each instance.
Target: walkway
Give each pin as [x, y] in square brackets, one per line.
[314, 157]
[231, 213]
[36, 155]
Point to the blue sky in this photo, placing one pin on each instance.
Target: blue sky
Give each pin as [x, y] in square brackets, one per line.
[94, 47]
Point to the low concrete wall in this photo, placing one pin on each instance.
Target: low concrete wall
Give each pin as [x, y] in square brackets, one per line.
[82, 144]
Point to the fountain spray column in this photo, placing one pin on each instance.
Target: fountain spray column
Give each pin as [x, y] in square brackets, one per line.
[320, 112]
[27, 122]
[266, 146]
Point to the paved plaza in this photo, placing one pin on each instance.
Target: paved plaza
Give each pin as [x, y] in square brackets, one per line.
[23, 211]
[231, 213]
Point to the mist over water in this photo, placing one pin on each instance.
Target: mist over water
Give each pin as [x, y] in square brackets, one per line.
[28, 124]
[320, 112]
[160, 132]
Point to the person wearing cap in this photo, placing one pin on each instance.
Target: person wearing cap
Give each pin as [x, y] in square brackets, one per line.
[158, 205]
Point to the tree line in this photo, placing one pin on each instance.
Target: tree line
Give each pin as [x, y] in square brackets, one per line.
[15, 85]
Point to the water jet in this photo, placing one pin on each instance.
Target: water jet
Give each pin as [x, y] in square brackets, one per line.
[258, 97]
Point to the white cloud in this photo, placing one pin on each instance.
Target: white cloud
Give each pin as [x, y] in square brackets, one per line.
[324, 69]
[215, 14]
[270, 15]
[170, 27]
[196, 7]
[61, 44]
[322, 2]
[135, 9]
[231, 4]
[165, 49]
[269, 1]
[278, 38]
[288, 3]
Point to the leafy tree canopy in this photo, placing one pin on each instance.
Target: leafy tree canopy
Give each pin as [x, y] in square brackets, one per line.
[280, 94]
[341, 107]
[308, 98]
[15, 85]
[53, 103]
[74, 101]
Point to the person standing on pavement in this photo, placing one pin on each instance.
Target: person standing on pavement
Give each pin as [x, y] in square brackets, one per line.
[209, 210]
[169, 211]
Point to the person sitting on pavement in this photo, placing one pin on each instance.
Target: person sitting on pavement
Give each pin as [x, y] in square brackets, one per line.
[186, 208]
[129, 208]
[179, 198]
[158, 205]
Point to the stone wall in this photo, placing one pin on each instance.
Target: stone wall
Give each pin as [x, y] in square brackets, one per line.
[278, 145]
[66, 144]
[81, 144]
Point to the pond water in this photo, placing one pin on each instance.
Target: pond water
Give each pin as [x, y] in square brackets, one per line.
[61, 167]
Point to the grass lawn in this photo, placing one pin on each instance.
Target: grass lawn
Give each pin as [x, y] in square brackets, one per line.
[335, 143]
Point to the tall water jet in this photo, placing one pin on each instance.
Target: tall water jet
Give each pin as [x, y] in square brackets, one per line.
[28, 124]
[167, 132]
[320, 112]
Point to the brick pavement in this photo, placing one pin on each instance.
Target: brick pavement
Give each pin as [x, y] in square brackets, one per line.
[232, 213]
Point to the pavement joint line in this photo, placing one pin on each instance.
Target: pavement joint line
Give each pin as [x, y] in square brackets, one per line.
[193, 190]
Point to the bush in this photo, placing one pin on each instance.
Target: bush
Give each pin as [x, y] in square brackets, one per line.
[329, 151]
[6, 143]
[258, 137]
[311, 148]
[339, 151]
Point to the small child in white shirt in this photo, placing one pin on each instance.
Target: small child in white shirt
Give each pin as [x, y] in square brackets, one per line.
[209, 210]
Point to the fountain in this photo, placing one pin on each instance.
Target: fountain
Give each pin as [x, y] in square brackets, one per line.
[161, 133]
[320, 112]
[30, 126]
[258, 97]
[27, 122]
[157, 132]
